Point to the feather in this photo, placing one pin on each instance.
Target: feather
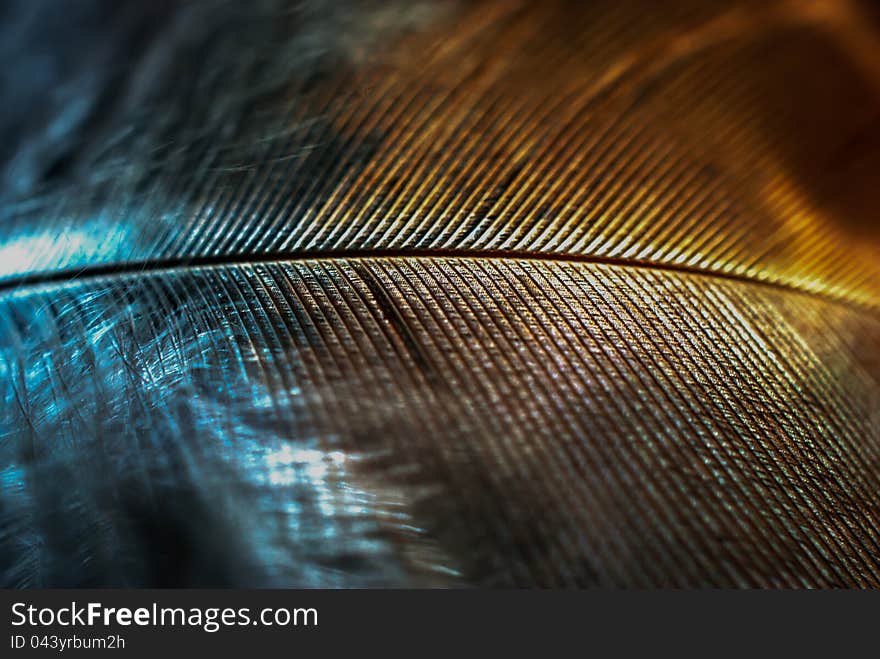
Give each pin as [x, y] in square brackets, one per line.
[497, 293]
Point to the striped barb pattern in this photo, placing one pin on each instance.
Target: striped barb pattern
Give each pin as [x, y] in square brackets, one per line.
[550, 294]
[646, 428]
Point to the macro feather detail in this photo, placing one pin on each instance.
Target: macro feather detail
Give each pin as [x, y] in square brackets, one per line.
[497, 293]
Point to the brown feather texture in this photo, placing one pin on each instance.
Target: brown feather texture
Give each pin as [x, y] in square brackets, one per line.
[510, 294]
